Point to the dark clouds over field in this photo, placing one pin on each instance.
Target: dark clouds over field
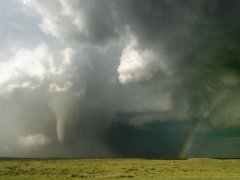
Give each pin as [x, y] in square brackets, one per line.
[121, 78]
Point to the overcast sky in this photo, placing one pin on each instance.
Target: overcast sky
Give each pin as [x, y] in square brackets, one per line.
[119, 78]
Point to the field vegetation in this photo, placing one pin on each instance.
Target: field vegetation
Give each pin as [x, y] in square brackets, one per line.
[119, 169]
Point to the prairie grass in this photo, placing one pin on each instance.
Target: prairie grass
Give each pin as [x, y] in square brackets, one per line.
[119, 169]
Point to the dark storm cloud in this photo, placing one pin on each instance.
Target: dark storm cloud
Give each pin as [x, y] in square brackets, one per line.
[107, 77]
[200, 40]
[155, 140]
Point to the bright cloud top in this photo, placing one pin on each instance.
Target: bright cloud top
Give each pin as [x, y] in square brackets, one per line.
[38, 67]
[138, 65]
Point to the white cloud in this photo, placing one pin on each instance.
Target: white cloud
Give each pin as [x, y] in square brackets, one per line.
[76, 19]
[27, 69]
[60, 18]
[57, 88]
[33, 141]
[31, 68]
[138, 65]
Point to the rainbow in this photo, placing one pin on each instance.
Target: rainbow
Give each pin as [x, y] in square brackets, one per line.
[204, 115]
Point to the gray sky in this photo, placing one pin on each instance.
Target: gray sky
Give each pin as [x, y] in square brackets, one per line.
[91, 78]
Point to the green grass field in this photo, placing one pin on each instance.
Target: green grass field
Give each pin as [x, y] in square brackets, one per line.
[119, 169]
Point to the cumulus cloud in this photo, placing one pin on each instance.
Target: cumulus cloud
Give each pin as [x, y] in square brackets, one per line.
[83, 20]
[33, 141]
[32, 68]
[138, 65]
[25, 64]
